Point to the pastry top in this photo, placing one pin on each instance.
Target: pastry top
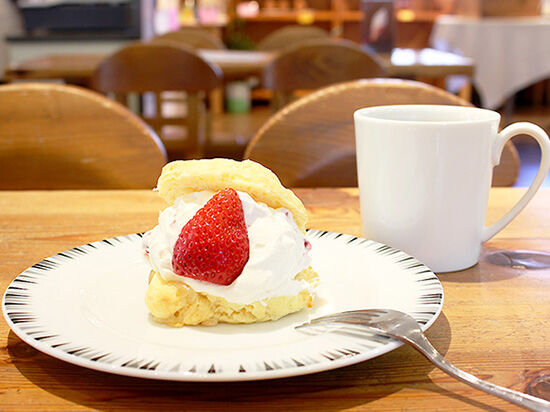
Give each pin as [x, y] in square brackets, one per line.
[186, 176]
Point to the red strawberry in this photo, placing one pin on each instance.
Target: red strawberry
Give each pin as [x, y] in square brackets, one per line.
[213, 246]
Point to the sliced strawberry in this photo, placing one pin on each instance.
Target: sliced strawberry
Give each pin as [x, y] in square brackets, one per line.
[213, 246]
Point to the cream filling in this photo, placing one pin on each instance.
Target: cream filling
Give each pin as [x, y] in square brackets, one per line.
[277, 250]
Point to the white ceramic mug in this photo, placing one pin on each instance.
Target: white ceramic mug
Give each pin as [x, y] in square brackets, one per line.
[424, 177]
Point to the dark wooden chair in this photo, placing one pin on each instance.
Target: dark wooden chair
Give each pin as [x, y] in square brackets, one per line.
[65, 137]
[192, 38]
[152, 69]
[291, 35]
[196, 38]
[317, 63]
[311, 142]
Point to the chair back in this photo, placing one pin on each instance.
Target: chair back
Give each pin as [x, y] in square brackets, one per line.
[318, 63]
[192, 38]
[311, 142]
[290, 35]
[64, 137]
[150, 70]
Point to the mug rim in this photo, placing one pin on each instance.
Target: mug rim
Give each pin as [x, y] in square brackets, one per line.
[368, 113]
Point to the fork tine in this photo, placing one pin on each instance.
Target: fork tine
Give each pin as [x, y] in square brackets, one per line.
[371, 313]
[352, 316]
[377, 311]
[343, 315]
[350, 322]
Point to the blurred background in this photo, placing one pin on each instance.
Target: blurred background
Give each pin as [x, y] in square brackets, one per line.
[491, 53]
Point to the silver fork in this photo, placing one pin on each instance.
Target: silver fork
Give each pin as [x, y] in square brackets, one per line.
[399, 325]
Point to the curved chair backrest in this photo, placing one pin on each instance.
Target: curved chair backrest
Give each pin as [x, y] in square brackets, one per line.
[155, 67]
[160, 67]
[290, 35]
[64, 137]
[318, 63]
[192, 38]
[311, 143]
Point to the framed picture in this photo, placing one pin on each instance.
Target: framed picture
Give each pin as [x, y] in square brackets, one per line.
[378, 27]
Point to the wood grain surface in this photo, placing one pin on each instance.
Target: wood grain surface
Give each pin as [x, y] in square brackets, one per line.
[494, 322]
[192, 38]
[55, 136]
[290, 35]
[315, 63]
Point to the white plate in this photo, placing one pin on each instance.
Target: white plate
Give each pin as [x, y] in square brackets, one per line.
[86, 306]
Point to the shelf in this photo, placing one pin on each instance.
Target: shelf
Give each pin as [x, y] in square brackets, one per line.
[416, 16]
[290, 15]
[199, 25]
[319, 15]
[350, 15]
[402, 16]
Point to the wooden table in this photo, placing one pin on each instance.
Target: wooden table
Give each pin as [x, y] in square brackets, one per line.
[494, 322]
[241, 64]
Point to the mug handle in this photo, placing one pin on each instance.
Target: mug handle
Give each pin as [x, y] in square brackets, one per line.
[542, 138]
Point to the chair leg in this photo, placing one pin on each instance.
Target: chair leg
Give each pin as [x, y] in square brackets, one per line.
[215, 98]
[195, 126]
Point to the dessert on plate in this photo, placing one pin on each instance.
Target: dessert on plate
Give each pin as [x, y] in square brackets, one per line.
[230, 248]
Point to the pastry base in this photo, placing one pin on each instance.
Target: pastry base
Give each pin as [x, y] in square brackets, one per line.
[176, 304]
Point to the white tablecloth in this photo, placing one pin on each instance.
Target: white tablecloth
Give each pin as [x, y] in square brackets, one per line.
[509, 53]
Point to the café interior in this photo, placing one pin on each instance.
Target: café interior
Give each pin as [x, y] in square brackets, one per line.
[97, 96]
[222, 95]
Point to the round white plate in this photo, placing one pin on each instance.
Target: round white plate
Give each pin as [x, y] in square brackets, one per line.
[86, 306]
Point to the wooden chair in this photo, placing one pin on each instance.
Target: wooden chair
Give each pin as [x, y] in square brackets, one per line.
[152, 69]
[65, 137]
[291, 35]
[192, 38]
[197, 38]
[311, 143]
[317, 63]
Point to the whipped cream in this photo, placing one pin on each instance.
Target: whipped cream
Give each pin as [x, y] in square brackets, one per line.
[277, 250]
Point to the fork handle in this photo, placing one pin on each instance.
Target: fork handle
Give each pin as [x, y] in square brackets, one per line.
[421, 344]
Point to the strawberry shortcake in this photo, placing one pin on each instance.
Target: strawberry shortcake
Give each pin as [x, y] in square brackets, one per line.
[230, 248]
